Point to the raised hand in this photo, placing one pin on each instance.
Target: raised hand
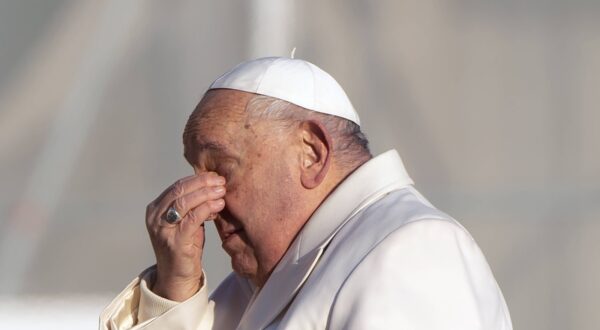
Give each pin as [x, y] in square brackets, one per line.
[178, 245]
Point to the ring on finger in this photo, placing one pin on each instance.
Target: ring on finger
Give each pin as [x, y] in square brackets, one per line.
[172, 216]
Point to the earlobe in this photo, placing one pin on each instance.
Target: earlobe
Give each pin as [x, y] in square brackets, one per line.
[316, 153]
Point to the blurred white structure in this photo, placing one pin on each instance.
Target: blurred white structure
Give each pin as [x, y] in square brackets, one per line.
[52, 313]
[62, 146]
[271, 27]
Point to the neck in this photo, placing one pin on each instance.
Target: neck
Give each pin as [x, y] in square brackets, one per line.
[306, 206]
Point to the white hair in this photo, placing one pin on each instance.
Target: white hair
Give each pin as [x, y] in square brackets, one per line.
[350, 145]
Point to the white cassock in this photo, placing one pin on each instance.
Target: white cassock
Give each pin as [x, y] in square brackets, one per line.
[375, 255]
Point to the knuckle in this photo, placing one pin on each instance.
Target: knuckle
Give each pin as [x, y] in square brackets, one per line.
[150, 216]
[149, 221]
[216, 204]
[154, 236]
[191, 219]
[180, 204]
[201, 212]
[178, 188]
[150, 207]
[206, 177]
[205, 191]
[193, 216]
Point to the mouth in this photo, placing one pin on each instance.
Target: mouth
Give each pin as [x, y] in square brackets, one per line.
[229, 226]
[231, 233]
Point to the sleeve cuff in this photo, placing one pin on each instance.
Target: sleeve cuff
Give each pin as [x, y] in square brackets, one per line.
[153, 305]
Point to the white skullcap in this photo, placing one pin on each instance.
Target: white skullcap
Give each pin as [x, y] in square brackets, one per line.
[292, 80]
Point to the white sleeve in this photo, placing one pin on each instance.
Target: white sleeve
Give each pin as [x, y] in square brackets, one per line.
[137, 307]
[428, 274]
[152, 305]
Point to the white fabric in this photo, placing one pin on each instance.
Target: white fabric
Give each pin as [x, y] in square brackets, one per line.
[375, 255]
[293, 80]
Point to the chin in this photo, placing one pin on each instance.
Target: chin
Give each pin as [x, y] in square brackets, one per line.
[244, 267]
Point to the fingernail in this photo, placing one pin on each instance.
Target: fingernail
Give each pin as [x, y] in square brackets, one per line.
[220, 202]
[218, 189]
[220, 180]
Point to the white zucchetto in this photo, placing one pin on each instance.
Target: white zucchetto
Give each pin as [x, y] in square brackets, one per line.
[292, 80]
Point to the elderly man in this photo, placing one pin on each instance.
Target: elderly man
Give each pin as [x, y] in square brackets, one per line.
[320, 233]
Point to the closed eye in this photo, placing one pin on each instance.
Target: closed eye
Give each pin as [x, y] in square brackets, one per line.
[225, 170]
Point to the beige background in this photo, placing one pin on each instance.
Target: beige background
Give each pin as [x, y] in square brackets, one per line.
[494, 106]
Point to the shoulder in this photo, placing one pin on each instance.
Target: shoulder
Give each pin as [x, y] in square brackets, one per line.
[416, 239]
[426, 272]
[417, 267]
[427, 236]
[400, 216]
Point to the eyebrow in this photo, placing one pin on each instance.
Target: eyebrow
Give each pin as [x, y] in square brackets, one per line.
[211, 146]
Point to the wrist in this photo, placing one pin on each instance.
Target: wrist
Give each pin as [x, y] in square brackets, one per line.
[177, 289]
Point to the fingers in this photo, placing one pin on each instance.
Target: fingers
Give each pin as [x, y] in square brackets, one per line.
[178, 247]
[195, 218]
[193, 199]
[185, 186]
[166, 191]
[184, 195]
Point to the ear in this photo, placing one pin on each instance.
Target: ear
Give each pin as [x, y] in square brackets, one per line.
[315, 156]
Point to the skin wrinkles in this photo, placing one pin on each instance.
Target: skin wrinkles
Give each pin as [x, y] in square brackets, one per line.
[274, 179]
[259, 178]
[218, 138]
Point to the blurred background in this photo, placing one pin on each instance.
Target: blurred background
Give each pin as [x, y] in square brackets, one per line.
[493, 105]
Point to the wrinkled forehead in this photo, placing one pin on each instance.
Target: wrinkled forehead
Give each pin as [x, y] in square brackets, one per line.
[217, 120]
[222, 105]
[218, 108]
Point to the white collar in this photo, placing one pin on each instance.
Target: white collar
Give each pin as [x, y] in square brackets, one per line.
[368, 183]
[359, 189]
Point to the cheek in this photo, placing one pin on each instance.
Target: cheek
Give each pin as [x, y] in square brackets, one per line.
[260, 195]
[272, 198]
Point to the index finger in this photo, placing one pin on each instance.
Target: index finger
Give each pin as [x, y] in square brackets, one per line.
[186, 185]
